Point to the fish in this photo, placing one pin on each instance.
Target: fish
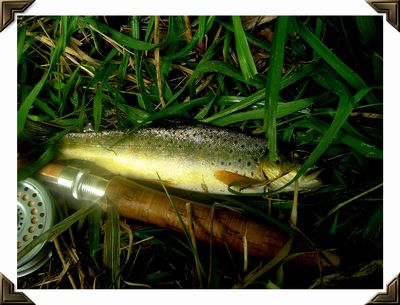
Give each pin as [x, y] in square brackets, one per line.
[193, 157]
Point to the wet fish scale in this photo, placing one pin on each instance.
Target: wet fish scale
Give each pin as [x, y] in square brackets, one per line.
[214, 147]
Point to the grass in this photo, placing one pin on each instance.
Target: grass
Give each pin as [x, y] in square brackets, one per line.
[311, 85]
[272, 87]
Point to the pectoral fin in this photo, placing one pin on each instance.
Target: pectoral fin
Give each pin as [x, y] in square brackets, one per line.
[239, 181]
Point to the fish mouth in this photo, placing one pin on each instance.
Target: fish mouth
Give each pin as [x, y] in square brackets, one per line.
[280, 175]
[309, 181]
[305, 183]
[312, 173]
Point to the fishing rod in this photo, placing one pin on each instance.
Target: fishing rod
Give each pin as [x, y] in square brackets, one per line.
[208, 223]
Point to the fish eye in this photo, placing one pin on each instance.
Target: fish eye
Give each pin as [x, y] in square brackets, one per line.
[277, 162]
[295, 155]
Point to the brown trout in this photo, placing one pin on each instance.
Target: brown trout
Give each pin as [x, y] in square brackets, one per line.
[198, 158]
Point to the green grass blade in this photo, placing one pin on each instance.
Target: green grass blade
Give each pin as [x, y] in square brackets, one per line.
[178, 109]
[97, 107]
[228, 70]
[245, 58]
[104, 70]
[184, 228]
[334, 225]
[246, 102]
[67, 28]
[125, 40]
[357, 144]
[290, 78]
[21, 42]
[343, 204]
[345, 107]
[94, 226]
[258, 272]
[121, 78]
[274, 83]
[112, 246]
[28, 102]
[123, 69]
[261, 43]
[319, 47]
[45, 108]
[285, 227]
[203, 112]
[176, 29]
[199, 70]
[144, 100]
[99, 80]
[185, 51]
[227, 47]
[150, 28]
[318, 33]
[363, 92]
[66, 91]
[351, 77]
[367, 28]
[375, 224]
[282, 110]
[135, 115]
[178, 214]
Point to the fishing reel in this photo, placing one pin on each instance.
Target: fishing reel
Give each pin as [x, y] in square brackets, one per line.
[35, 214]
[37, 211]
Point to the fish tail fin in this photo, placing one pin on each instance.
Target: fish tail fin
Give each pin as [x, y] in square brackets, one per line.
[35, 145]
[38, 132]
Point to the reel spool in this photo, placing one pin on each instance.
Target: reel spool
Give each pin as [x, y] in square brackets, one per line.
[35, 214]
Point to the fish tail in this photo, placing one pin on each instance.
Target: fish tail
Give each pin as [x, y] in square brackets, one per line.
[35, 140]
[38, 132]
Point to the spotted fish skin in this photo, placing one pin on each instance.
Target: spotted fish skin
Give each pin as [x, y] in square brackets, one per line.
[189, 157]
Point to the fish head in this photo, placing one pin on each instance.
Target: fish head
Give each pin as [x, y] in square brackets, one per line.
[280, 172]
